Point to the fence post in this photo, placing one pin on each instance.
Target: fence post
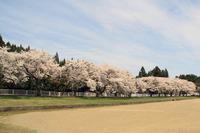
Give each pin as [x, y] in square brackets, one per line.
[13, 91]
[26, 92]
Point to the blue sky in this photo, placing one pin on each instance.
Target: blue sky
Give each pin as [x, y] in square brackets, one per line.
[127, 34]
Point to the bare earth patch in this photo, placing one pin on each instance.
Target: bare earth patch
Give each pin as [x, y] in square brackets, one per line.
[165, 117]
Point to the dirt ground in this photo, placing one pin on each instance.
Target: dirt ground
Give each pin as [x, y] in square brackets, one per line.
[165, 117]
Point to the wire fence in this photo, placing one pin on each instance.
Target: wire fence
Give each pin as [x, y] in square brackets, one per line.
[77, 94]
[44, 93]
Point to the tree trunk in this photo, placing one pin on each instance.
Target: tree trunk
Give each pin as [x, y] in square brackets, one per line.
[72, 93]
[165, 94]
[99, 91]
[38, 93]
[62, 92]
[150, 94]
[171, 94]
[158, 94]
[97, 94]
[175, 93]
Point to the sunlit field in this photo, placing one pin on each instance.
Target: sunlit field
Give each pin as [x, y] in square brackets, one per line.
[163, 117]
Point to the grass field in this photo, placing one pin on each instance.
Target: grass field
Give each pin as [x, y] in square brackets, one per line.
[14, 101]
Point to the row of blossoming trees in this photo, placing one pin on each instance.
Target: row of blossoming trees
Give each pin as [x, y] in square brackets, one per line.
[37, 67]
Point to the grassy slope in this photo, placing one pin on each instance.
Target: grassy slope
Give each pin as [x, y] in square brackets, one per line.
[12, 101]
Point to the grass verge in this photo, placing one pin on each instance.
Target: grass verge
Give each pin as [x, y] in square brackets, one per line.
[21, 101]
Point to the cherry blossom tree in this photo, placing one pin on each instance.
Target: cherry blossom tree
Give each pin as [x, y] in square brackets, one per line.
[163, 85]
[34, 65]
[119, 81]
[77, 73]
[113, 80]
[184, 86]
[100, 79]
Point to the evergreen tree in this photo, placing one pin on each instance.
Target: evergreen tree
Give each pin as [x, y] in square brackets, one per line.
[21, 47]
[56, 57]
[18, 49]
[28, 49]
[156, 72]
[8, 45]
[62, 63]
[163, 73]
[13, 47]
[190, 77]
[166, 73]
[142, 73]
[2, 43]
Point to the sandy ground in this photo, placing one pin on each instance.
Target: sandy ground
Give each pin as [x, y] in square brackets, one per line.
[166, 117]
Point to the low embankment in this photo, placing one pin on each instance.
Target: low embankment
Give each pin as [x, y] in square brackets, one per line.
[21, 103]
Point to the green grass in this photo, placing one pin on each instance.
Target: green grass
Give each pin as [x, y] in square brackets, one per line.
[7, 128]
[13, 101]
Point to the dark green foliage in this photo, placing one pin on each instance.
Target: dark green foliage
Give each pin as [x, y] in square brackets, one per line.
[30, 84]
[13, 47]
[190, 77]
[62, 63]
[166, 74]
[46, 83]
[142, 73]
[28, 49]
[8, 44]
[56, 57]
[3, 84]
[156, 72]
[21, 47]
[2, 43]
